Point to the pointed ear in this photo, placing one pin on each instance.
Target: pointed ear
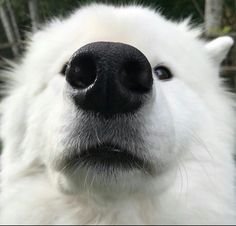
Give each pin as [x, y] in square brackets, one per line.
[218, 48]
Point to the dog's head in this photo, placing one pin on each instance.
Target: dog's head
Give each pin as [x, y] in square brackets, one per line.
[110, 97]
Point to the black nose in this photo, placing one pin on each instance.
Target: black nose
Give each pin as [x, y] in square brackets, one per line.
[109, 78]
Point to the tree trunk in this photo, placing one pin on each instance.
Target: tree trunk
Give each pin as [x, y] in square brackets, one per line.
[213, 16]
[8, 30]
[13, 21]
[33, 9]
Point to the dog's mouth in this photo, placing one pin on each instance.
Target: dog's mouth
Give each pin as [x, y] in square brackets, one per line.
[108, 158]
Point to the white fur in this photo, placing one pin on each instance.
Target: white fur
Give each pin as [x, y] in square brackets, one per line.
[186, 127]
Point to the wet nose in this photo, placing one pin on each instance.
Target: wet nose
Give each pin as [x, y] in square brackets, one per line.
[109, 78]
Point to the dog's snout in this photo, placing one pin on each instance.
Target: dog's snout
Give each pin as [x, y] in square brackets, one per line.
[109, 77]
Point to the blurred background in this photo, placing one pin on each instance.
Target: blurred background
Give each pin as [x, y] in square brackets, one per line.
[19, 17]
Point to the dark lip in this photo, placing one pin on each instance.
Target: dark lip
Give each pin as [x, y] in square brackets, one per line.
[109, 157]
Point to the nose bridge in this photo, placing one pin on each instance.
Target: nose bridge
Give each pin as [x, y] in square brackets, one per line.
[107, 61]
[115, 78]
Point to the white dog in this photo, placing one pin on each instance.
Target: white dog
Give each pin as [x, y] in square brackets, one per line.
[117, 116]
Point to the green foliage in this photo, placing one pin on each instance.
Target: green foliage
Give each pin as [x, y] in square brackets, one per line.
[226, 29]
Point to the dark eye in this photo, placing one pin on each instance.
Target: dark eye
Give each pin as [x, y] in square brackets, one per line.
[163, 73]
[63, 70]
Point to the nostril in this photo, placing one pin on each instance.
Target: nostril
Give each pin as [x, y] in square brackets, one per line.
[136, 76]
[81, 72]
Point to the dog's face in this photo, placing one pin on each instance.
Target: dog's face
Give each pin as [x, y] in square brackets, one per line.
[112, 97]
